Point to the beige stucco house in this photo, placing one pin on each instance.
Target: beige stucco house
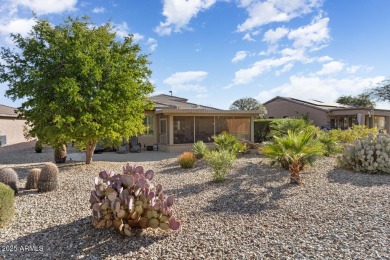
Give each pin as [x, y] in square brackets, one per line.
[175, 124]
[11, 127]
[331, 115]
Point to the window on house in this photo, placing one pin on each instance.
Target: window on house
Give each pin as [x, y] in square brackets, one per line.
[149, 125]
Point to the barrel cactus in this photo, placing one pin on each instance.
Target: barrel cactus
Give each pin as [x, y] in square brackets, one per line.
[370, 154]
[48, 179]
[131, 200]
[9, 177]
[32, 179]
[7, 208]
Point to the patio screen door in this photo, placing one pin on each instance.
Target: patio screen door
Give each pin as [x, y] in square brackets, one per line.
[163, 131]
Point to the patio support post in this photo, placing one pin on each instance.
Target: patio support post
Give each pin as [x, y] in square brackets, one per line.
[252, 123]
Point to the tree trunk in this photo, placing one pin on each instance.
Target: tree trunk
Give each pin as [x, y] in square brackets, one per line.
[295, 177]
[89, 149]
[60, 154]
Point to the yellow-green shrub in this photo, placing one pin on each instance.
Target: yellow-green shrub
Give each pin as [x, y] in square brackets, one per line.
[351, 134]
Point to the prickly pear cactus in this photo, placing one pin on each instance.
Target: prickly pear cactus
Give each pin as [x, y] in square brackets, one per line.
[32, 179]
[48, 179]
[130, 200]
[370, 154]
[9, 177]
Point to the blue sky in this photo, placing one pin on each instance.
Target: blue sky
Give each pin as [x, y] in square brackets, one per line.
[216, 51]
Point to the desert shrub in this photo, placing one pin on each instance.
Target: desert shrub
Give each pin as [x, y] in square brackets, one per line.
[9, 177]
[262, 130]
[32, 179]
[7, 208]
[228, 142]
[280, 127]
[199, 149]
[221, 162]
[330, 145]
[293, 151]
[48, 178]
[351, 134]
[370, 154]
[38, 146]
[187, 160]
[130, 200]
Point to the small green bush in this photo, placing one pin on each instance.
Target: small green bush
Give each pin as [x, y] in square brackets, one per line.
[221, 161]
[370, 154]
[199, 149]
[38, 146]
[280, 127]
[330, 145]
[262, 130]
[187, 160]
[7, 208]
[228, 142]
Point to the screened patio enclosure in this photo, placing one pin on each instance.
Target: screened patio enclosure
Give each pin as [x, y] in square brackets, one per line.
[180, 129]
[190, 129]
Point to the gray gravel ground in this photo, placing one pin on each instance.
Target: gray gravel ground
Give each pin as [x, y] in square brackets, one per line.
[255, 214]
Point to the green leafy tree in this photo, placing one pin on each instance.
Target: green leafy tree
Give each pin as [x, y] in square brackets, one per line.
[293, 151]
[362, 100]
[382, 91]
[80, 84]
[246, 103]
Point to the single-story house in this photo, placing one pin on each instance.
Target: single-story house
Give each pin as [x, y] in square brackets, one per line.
[330, 115]
[11, 126]
[175, 124]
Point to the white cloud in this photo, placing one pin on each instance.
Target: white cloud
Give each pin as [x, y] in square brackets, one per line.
[265, 12]
[22, 26]
[248, 37]
[47, 6]
[240, 55]
[285, 69]
[152, 43]
[313, 36]
[245, 76]
[99, 10]
[122, 30]
[273, 36]
[327, 90]
[331, 68]
[353, 69]
[187, 81]
[324, 59]
[178, 14]
[137, 37]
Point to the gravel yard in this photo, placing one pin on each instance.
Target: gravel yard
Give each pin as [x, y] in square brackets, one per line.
[255, 214]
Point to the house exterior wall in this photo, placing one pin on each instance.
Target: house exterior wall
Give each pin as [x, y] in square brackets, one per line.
[12, 128]
[280, 108]
[145, 139]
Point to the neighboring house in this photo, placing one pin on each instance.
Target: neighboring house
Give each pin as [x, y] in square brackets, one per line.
[175, 124]
[11, 127]
[331, 115]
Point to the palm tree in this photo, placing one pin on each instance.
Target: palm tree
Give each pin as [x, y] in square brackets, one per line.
[293, 151]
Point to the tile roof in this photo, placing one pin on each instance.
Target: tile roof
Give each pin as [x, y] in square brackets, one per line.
[311, 103]
[6, 111]
[166, 101]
